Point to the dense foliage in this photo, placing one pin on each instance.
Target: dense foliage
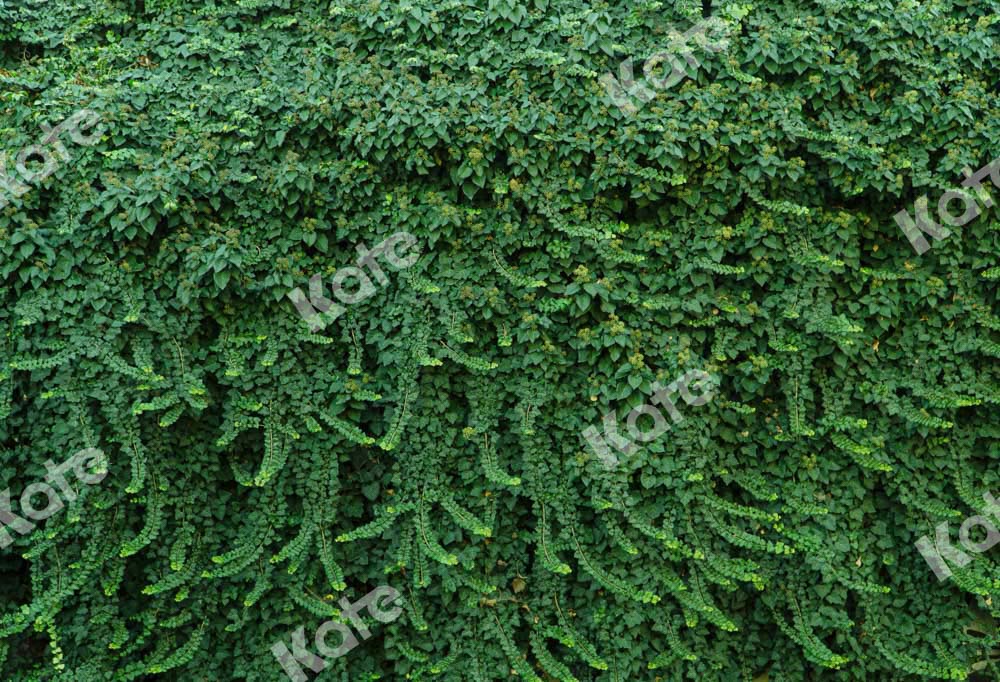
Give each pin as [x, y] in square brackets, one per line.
[571, 254]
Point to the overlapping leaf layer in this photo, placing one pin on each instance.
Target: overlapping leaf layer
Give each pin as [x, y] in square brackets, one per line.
[571, 254]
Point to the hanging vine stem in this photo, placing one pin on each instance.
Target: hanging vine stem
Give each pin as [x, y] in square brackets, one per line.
[795, 605]
[354, 339]
[420, 526]
[322, 538]
[268, 439]
[555, 600]
[541, 541]
[180, 356]
[264, 538]
[697, 585]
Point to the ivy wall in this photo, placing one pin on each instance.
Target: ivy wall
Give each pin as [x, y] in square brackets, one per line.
[590, 201]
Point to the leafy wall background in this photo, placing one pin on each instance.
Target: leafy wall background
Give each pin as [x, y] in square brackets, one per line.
[739, 223]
